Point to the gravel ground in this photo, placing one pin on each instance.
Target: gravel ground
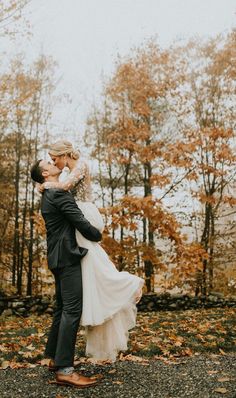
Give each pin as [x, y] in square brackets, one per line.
[196, 377]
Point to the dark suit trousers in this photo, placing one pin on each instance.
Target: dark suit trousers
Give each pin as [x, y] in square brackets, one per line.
[62, 336]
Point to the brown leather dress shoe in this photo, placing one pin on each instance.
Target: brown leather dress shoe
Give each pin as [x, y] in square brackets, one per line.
[75, 380]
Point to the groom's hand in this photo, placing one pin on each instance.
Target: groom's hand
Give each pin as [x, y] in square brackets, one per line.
[67, 205]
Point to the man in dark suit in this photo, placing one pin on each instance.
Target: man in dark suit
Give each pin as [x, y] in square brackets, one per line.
[62, 216]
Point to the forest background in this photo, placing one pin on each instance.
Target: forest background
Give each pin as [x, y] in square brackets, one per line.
[162, 144]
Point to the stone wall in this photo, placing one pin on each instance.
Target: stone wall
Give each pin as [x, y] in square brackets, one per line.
[167, 302]
[24, 306]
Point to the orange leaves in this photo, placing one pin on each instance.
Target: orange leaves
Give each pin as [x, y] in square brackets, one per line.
[177, 341]
[162, 335]
[185, 258]
[152, 209]
[25, 342]
[192, 176]
[133, 358]
[167, 123]
[133, 84]
[230, 200]
[150, 152]
[207, 149]
[182, 333]
[160, 180]
[221, 390]
[220, 134]
[149, 253]
[225, 154]
[39, 224]
[179, 154]
[206, 198]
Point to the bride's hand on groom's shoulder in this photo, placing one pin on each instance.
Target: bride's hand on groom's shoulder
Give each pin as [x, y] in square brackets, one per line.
[40, 187]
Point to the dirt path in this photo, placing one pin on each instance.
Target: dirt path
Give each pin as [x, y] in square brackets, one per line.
[205, 376]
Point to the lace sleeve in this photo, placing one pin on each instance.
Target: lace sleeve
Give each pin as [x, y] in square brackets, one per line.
[75, 176]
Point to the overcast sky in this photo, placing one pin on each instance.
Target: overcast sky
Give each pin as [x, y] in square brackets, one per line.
[85, 36]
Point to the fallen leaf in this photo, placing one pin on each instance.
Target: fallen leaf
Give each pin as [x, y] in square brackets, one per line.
[5, 365]
[223, 379]
[188, 352]
[214, 356]
[117, 382]
[45, 361]
[222, 352]
[32, 374]
[221, 390]
[30, 347]
[212, 372]
[40, 334]
[17, 365]
[112, 371]
[97, 376]
[27, 354]
[132, 358]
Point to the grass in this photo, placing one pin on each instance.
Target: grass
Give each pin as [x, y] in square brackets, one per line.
[164, 334]
[187, 332]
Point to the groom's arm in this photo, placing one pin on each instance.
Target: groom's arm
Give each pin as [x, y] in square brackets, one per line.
[65, 202]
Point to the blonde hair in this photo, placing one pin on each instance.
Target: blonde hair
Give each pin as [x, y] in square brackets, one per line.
[63, 148]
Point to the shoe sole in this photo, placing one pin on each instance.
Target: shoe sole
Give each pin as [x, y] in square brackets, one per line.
[64, 383]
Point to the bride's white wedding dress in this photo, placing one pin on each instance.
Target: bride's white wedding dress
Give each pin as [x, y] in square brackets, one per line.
[109, 296]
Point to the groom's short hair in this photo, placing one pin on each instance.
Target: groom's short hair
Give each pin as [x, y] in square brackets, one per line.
[37, 172]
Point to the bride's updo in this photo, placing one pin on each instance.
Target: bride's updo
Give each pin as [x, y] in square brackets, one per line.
[63, 148]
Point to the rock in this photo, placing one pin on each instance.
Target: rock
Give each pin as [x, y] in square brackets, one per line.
[217, 294]
[177, 296]
[150, 306]
[46, 300]
[34, 308]
[7, 312]
[213, 298]
[17, 304]
[49, 311]
[21, 310]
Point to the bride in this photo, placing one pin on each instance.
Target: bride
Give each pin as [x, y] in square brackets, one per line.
[109, 296]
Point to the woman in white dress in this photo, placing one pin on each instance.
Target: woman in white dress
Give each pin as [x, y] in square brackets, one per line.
[109, 296]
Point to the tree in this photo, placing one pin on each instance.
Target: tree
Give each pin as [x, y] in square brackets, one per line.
[25, 95]
[207, 143]
[138, 99]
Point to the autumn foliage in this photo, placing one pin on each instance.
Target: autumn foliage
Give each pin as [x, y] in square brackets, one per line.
[167, 336]
[167, 128]
[163, 143]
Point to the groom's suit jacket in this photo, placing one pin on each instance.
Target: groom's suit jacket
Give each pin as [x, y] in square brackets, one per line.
[62, 216]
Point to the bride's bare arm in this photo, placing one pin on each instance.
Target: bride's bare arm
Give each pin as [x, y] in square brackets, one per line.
[73, 178]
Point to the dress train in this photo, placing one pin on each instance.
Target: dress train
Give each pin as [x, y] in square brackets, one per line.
[109, 296]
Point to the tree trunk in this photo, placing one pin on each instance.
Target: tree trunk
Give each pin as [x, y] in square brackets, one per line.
[147, 231]
[16, 243]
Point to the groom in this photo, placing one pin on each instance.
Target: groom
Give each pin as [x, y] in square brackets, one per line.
[62, 217]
